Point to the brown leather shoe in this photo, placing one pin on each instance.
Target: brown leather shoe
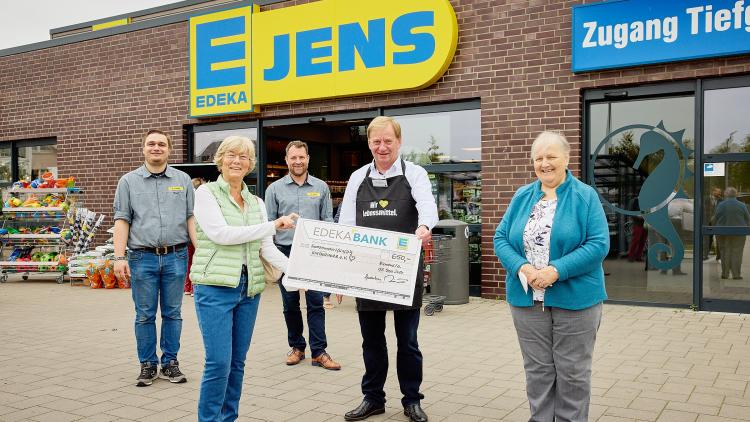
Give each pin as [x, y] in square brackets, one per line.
[294, 356]
[325, 361]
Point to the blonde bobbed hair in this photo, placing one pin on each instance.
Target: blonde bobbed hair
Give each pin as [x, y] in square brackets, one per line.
[238, 145]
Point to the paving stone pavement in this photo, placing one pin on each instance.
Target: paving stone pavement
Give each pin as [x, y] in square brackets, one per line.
[68, 354]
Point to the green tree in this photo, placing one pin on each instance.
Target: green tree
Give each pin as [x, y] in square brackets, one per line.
[433, 150]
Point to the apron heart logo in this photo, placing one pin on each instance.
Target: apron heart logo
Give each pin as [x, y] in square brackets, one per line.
[383, 203]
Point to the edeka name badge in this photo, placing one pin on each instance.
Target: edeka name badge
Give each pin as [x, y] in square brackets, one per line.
[176, 189]
[313, 194]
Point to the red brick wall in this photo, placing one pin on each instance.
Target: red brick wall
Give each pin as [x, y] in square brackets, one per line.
[98, 97]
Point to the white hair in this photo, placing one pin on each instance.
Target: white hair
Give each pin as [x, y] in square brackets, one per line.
[550, 137]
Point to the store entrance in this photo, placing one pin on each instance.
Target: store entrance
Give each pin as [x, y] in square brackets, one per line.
[336, 147]
[641, 160]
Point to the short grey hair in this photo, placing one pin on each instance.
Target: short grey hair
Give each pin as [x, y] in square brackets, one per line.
[237, 145]
[550, 137]
[730, 192]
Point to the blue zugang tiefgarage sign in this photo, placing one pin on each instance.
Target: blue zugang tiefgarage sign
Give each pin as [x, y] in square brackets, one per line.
[635, 32]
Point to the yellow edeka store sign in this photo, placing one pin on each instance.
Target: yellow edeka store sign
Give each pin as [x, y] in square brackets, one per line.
[329, 48]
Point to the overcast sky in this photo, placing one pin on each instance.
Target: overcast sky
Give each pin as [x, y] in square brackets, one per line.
[28, 21]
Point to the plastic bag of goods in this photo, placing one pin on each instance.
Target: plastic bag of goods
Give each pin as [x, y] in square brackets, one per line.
[107, 273]
[93, 276]
[122, 283]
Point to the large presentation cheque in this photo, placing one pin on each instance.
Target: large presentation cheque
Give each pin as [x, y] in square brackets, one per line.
[354, 261]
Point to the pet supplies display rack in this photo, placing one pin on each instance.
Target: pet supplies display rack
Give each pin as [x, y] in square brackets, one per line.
[49, 244]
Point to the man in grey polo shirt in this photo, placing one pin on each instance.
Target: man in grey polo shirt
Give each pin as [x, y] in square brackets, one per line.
[154, 218]
[309, 197]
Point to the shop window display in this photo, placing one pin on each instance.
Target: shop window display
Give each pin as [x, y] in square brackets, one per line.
[448, 145]
[27, 160]
[33, 161]
[6, 175]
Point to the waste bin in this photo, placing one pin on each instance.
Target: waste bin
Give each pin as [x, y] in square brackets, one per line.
[450, 268]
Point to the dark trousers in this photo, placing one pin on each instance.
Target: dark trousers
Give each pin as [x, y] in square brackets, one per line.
[732, 248]
[375, 354]
[316, 317]
[708, 241]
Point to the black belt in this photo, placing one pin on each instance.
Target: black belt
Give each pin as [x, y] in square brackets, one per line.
[163, 250]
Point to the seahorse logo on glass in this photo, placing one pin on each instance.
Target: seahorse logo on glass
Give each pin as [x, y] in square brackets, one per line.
[666, 171]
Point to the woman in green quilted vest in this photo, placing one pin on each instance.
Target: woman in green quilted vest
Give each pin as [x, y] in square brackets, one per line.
[227, 274]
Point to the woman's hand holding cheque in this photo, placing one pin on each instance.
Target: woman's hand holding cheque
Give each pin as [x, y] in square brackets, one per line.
[286, 222]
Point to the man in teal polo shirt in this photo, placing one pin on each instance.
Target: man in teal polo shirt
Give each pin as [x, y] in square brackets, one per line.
[309, 197]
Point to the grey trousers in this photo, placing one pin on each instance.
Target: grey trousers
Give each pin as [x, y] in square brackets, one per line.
[557, 347]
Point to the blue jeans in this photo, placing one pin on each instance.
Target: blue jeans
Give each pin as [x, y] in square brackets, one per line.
[226, 317]
[316, 317]
[157, 281]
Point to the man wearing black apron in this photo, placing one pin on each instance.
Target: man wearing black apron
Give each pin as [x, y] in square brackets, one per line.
[390, 194]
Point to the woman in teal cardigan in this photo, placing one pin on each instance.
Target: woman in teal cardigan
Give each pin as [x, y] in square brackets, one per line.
[552, 241]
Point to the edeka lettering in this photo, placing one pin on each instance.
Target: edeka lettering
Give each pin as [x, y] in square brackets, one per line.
[337, 48]
[220, 53]
[369, 44]
[321, 49]
[332, 234]
[228, 98]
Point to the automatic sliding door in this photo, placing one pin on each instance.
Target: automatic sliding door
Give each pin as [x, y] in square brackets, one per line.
[641, 163]
[726, 187]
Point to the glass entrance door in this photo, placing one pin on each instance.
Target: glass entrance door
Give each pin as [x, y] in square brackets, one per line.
[726, 186]
[641, 161]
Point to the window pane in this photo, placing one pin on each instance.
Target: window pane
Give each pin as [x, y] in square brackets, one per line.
[726, 188]
[205, 144]
[677, 113]
[726, 123]
[37, 160]
[5, 170]
[448, 137]
[723, 274]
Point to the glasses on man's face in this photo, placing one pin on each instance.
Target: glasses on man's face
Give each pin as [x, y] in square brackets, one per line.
[231, 157]
[378, 142]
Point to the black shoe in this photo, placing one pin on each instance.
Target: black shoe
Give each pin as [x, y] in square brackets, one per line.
[147, 375]
[415, 413]
[364, 411]
[172, 373]
[739, 277]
